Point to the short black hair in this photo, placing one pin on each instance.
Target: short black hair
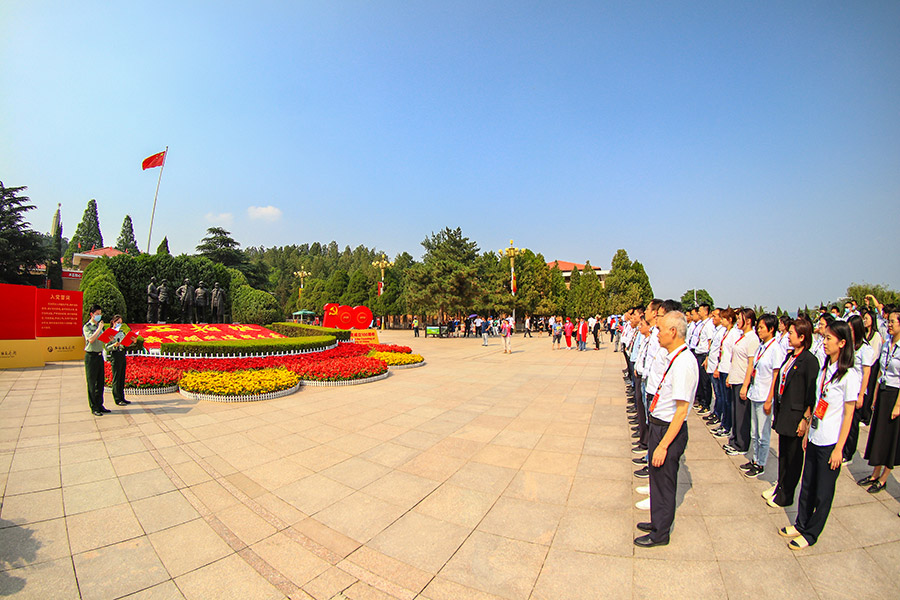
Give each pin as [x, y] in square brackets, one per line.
[769, 320]
[704, 305]
[670, 305]
[94, 308]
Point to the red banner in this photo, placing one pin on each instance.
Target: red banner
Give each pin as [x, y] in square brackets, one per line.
[57, 313]
[17, 312]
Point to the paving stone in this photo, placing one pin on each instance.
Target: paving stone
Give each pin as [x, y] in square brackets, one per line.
[118, 570]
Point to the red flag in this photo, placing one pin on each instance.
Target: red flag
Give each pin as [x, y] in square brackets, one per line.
[157, 160]
[380, 287]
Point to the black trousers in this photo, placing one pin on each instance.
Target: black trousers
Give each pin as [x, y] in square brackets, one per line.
[93, 373]
[853, 435]
[790, 465]
[816, 492]
[597, 340]
[664, 479]
[641, 410]
[704, 386]
[117, 361]
[740, 431]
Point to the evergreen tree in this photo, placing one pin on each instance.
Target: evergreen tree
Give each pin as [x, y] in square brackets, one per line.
[163, 247]
[627, 284]
[220, 247]
[336, 286]
[445, 281]
[54, 258]
[21, 249]
[87, 234]
[687, 299]
[588, 296]
[126, 241]
[357, 292]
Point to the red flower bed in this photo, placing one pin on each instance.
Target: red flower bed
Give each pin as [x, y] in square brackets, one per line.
[340, 369]
[390, 348]
[154, 335]
[144, 375]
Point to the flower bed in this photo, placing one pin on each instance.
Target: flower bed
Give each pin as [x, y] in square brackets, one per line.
[393, 359]
[143, 376]
[390, 348]
[341, 369]
[239, 383]
[155, 335]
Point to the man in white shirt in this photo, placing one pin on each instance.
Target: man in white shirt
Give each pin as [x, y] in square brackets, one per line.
[668, 429]
[704, 332]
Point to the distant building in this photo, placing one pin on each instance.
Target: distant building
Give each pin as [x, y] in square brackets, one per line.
[567, 267]
[71, 278]
[80, 260]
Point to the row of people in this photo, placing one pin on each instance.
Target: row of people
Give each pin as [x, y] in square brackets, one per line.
[814, 384]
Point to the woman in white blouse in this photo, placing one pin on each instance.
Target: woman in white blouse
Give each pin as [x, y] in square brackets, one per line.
[837, 389]
[863, 359]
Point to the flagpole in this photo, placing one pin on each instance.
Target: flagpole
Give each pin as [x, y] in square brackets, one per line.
[153, 214]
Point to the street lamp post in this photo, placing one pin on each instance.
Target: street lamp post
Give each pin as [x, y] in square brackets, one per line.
[382, 264]
[512, 252]
[302, 274]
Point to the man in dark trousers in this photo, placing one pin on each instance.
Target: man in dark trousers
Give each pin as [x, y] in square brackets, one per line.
[668, 430]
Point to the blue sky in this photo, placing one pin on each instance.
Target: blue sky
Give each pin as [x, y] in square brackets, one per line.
[746, 148]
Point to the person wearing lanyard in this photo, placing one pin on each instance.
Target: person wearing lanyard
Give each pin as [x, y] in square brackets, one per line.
[668, 429]
[712, 363]
[818, 348]
[864, 358]
[739, 380]
[763, 374]
[883, 446]
[794, 402]
[875, 340]
[720, 375]
[93, 360]
[704, 331]
[837, 389]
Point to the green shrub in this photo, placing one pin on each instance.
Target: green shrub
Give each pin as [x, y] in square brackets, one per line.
[237, 278]
[300, 330]
[96, 268]
[264, 346]
[103, 292]
[250, 305]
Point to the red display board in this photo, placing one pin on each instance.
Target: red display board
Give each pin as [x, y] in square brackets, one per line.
[57, 313]
[345, 317]
[17, 312]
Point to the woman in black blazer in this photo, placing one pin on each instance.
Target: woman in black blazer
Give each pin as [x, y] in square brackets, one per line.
[795, 395]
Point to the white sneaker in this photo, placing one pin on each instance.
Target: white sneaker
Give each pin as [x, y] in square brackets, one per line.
[644, 490]
[643, 504]
[769, 493]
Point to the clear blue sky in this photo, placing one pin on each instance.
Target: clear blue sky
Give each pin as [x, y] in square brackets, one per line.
[749, 148]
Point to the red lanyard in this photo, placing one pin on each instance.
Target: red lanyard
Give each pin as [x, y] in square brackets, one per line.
[659, 389]
[722, 345]
[759, 356]
[784, 373]
[823, 387]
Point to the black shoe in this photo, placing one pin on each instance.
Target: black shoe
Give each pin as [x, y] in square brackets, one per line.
[104, 410]
[635, 435]
[640, 460]
[645, 526]
[642, 473]
[645, 542]
[122, 402]
[96, 413]
[639, 449]
[747, 466]
[636, 427]
[756, 471]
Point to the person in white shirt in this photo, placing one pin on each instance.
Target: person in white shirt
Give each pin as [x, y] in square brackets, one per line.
[764, 371]
[876, 341]
[668, 429]
[864, 358]
[711, 364]
[782, 338]
[704, 332]
[837, 388]
[818, 348]
[739, 379]
[727, 318]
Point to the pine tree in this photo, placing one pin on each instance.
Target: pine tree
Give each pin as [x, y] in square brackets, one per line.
[163, 247]
[126, 241]
[87, 234]
[54, 261]
[21, 248]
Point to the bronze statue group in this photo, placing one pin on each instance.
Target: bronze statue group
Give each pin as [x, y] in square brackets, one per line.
[197, 304]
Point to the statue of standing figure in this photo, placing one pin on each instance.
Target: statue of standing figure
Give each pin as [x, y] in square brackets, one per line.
[217, 304]
[200, 303]
[152, 301]
[185, 295]
[163, 305]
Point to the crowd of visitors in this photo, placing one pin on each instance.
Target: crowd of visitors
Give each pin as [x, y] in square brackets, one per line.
[812, 380]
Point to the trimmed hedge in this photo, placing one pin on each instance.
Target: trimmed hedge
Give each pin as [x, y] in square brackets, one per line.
[250, 305]
[300, 330]
[103, 291]
[263, 346]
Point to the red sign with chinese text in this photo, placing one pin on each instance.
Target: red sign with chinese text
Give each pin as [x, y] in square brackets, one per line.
[57, 313]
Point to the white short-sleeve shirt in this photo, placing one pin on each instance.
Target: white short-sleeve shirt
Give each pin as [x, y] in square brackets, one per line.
[744, 347]
[836, 394]
[657, 367]
[715, 346]
[679, 383]
[890, 364]
[731, 337]
[769, 357]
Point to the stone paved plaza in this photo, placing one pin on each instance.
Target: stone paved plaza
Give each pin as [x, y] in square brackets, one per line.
[480, 475]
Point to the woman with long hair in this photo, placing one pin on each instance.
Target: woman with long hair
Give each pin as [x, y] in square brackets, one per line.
[795, 397]
[875, 341]
[818, 349]
[883, 447]
[863, 359]
[837, 389]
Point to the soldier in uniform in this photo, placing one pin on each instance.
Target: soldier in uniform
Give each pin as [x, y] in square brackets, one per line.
[200, 303]
[152, 301]
[185, 295]
[218, 304]
[163, 301]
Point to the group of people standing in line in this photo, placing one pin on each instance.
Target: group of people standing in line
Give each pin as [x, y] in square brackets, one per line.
[812, 380]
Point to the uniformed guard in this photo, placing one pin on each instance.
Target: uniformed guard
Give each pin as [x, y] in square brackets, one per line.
[93, 360]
